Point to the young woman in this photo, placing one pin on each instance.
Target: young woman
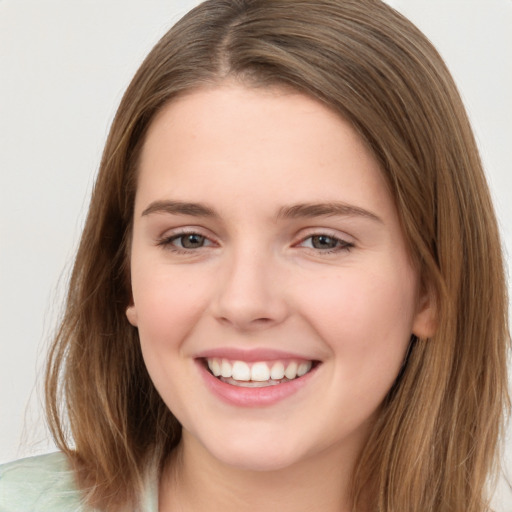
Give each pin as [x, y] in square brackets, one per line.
[289, 293]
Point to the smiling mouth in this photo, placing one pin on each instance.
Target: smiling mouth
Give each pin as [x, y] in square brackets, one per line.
[259, 373]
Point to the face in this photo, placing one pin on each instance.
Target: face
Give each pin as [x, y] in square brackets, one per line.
[272, 288]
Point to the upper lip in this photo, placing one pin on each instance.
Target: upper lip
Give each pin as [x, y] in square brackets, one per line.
[250, 355]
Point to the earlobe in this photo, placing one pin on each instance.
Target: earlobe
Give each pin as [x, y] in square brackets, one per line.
[425, 321]
[131, 314]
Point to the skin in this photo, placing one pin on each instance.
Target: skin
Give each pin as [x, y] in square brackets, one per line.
[258, 280]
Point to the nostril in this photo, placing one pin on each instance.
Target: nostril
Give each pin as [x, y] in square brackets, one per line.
[243, 323]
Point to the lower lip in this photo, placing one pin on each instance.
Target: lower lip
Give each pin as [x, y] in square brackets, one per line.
[253, 397]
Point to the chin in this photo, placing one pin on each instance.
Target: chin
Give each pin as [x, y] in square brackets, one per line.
[253, 455]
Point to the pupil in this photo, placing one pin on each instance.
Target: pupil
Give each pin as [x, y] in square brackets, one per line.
[192, 241]
[323, 242]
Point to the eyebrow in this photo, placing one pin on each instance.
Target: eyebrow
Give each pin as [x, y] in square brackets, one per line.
[330, 209]
[180, 208]
[296, 211]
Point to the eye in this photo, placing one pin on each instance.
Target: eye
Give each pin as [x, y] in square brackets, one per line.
[190, 241]
[185, 241]
[326, 243]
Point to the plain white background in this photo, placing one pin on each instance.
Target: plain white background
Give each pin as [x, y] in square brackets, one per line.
[63, 68]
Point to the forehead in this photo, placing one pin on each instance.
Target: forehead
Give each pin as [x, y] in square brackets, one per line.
[277, 113]
[258, 144]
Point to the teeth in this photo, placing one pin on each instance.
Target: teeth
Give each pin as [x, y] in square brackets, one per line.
[225, 369]
[277, 371]
[214, 366]
[291, 371]
[259, 371]
[303, 368]
[241, 371]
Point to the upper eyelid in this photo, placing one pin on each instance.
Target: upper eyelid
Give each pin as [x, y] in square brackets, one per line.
[167, 243]
[342, 241]
[331, 232]
[169, 236]
[329, 235]
[299, 237]
[186, 230]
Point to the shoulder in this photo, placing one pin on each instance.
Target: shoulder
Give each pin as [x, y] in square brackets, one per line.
[43, 484]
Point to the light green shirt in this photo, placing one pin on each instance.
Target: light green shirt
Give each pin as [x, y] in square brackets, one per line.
[46, 484]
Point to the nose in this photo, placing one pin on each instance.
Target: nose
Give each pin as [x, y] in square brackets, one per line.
[251, 294]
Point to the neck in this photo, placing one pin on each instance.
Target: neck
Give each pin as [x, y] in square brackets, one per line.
[195, 481]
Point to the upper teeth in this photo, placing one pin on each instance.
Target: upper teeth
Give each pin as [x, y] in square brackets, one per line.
[258, 371]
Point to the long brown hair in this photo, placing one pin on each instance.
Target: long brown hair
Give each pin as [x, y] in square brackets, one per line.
[435, 442]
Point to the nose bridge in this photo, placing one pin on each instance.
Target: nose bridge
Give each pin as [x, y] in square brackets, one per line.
[249, 293]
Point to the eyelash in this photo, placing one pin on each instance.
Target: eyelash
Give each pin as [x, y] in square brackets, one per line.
[341, 245]
[167, 243]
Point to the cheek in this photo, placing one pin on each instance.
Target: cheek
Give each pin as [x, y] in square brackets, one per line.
[366, 319]
[168, 304]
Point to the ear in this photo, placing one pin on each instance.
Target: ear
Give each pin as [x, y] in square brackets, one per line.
[131, 314]
[425, 321]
